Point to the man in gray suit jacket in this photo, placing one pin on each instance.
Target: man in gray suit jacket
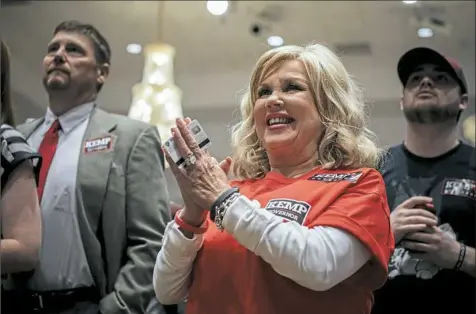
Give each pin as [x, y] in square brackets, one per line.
[104, 199]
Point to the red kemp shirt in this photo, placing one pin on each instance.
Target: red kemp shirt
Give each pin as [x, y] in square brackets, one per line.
[229, 279]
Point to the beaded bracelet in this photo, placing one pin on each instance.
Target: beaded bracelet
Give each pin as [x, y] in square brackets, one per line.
[223, 196]
[221, 205]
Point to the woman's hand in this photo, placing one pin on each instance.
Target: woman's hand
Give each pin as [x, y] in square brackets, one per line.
[202, 179]
[192, 213]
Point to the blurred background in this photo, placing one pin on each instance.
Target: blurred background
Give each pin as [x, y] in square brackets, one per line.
[212, 46]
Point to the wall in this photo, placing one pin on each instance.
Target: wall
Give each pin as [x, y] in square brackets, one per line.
[25, 108]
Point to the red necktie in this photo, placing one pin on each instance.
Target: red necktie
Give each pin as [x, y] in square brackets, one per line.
[47, 151]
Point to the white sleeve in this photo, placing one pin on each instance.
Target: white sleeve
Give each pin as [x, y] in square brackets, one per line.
[173, 267]
[317, 258]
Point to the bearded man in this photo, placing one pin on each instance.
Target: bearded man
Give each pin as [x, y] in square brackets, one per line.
[431, 189]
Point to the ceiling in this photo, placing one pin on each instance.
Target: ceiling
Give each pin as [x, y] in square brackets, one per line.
[215, 55]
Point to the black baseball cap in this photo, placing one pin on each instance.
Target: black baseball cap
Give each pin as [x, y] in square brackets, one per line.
[422, 55]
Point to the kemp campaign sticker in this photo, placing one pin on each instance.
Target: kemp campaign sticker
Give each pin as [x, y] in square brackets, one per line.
[336, 177]
[99, 144]
[459, 187]
[289, 209]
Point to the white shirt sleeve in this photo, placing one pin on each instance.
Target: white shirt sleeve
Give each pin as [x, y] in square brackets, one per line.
[317, 258]
[173, 267]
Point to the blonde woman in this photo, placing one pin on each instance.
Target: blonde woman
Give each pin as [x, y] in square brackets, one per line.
[305, 227]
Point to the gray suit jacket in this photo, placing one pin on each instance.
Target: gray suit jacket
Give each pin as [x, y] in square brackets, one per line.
[125, 200]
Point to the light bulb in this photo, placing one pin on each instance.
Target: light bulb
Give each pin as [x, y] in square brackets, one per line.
[217, 7]
[425, 32]
[134, 48]
[275, 41]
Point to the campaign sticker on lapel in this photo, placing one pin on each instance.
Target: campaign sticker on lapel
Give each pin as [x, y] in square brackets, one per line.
[98, 144]
[460, 187]
[336, 177]
[289, 209]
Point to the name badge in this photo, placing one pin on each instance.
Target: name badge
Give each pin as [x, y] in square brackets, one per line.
[460, 187]
[289, 209]
[98, 144]
[336, 177]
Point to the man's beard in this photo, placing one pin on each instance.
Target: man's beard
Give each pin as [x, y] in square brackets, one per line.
[55, 85]
[432, 114]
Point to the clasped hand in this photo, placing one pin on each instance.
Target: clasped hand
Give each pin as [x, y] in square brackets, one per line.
[201, 182]
[435, 245]
[415, 224]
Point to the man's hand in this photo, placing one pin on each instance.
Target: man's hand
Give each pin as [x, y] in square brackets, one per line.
[409, 218]
[433, 245]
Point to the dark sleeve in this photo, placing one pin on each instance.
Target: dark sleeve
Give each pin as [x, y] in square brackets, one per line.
[384, 160]
[14, 151]
[392, 170]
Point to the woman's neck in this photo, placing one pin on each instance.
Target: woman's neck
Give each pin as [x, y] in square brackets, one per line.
[292, 167]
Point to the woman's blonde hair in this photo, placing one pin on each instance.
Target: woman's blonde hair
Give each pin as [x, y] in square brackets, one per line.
[345, 143]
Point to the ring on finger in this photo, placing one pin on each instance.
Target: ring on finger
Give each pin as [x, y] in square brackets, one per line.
[190, 160]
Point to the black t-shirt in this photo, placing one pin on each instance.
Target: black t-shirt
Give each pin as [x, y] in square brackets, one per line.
[450, 179]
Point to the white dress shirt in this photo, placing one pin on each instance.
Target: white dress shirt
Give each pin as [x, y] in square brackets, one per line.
[63, 263]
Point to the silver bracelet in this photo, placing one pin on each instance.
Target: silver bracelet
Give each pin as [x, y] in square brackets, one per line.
[222, 208]
[461, 256]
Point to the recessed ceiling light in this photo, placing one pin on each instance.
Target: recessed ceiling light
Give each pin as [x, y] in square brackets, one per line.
[425, 32]
[275, 41]
[217, 7]
[134, 48]
[409, 2]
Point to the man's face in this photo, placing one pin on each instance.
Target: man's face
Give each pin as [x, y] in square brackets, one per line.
[431, 96]
[71, 62]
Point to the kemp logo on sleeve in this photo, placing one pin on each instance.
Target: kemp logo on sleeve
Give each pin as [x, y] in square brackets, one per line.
[98, 144]
[460, 187]
[289, 209]
[336, 177]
